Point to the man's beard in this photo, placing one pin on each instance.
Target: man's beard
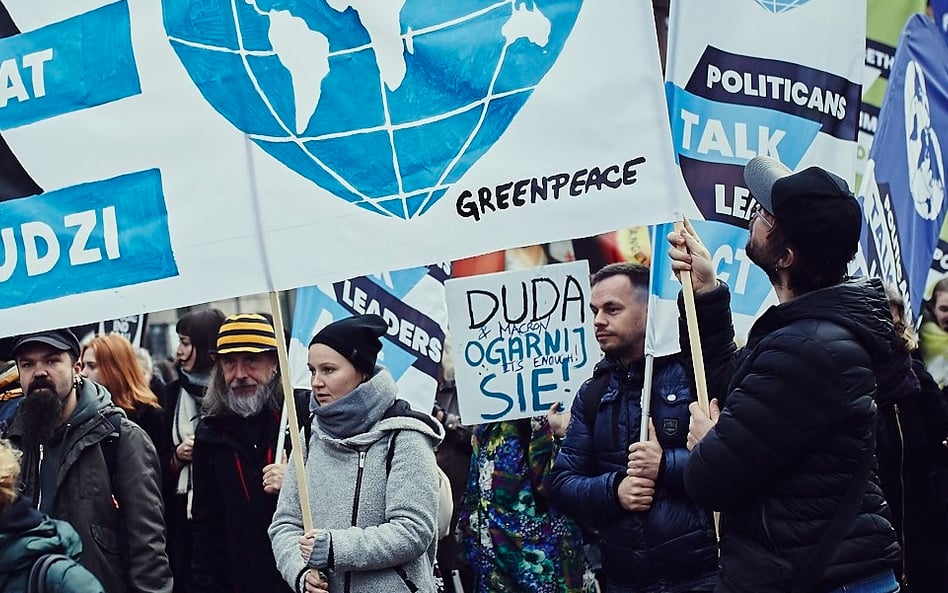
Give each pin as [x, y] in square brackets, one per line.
[41, 411]
[247, 405]
[764, 257]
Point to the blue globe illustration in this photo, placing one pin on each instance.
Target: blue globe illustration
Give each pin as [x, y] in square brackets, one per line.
[385, 107]
[777, 6]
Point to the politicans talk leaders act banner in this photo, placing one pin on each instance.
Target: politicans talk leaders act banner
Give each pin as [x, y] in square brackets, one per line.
[166, 152]
[749, 287]
[762, 77]
[411, 301]
[522, 340]
[903, 186]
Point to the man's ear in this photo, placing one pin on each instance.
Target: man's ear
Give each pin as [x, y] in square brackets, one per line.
[77, 366]
[786, 259]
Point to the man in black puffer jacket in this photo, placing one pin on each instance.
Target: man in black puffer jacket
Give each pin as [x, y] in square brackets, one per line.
[788, 460]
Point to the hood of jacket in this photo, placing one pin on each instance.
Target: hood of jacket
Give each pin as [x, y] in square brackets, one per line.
[91, 398]
[858, 305]
[26, 534]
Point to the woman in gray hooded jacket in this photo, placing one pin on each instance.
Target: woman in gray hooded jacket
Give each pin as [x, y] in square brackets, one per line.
[371, 475]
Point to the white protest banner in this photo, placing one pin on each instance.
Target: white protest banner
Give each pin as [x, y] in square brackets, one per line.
[171, 152]
[411, 302]
[741, 82]
[522, 340]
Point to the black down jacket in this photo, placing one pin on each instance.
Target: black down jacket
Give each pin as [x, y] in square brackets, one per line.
[798, 414]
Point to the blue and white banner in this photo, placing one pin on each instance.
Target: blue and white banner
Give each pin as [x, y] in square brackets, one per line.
[300, 142]
[411, 301]
[903, 187]
[885, 20]
[740, 83]
[84, 238]
[751, 291]
[523, 340]
[58, 68]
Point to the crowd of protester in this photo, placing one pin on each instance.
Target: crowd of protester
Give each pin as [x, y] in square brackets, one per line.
[819, 465]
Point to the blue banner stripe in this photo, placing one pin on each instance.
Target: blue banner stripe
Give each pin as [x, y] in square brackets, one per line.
[723, 133]
[67, 66]
[94, 236]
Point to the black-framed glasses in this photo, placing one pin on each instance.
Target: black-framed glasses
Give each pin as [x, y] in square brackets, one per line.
[758, 211]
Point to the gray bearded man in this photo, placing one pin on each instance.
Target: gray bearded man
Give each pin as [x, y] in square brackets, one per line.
[237, 470]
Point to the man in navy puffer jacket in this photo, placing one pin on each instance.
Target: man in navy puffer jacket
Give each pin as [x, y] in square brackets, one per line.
[653, 539]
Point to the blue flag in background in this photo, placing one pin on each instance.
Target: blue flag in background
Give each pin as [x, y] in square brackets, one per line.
[903, 187]
[940, 10]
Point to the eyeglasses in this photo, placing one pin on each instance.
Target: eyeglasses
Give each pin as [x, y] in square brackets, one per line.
[760, 213]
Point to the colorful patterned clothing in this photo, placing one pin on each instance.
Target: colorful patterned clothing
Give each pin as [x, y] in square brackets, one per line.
[513, 537]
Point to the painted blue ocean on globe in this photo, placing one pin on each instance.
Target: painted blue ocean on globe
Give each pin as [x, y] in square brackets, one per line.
[385, 112]
[778, 6]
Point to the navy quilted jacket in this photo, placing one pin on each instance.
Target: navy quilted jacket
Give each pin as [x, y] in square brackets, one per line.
[674, 540]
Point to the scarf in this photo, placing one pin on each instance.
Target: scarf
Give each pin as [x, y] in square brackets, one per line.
[934, 341]
[187, 412]
[360, 409]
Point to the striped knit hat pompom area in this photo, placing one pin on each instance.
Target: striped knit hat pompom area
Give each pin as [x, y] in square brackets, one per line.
[246, 332]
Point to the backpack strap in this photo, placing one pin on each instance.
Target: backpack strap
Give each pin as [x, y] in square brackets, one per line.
[109, 447]
[815, 566]
[391, 452]
[595, 389]
[40, 572]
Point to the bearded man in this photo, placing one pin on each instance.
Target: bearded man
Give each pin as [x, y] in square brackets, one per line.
[86, 463]
[237, 471]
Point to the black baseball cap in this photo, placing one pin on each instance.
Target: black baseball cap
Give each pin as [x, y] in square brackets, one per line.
[60, 339]
[815, 208]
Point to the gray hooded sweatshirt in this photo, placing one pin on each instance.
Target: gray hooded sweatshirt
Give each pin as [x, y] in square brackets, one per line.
[379, 524]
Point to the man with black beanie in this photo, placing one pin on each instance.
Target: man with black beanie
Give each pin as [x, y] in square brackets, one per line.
[787, 461]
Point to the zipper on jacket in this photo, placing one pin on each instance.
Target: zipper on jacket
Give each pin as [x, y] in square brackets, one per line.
[355, 509]
[358, 488]
[898, 427]
[39, 478]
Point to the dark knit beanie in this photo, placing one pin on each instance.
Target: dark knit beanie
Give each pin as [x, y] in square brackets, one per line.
[356, 339]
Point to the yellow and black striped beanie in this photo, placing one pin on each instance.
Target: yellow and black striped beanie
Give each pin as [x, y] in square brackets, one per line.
[246, 332]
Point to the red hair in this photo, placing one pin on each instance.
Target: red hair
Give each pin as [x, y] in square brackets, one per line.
[120, 373]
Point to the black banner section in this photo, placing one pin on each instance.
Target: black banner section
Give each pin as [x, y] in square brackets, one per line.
[718, 190]
[819, 96]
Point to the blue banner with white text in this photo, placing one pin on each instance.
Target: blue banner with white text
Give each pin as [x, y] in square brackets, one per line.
[94, 236]
[74, 64]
